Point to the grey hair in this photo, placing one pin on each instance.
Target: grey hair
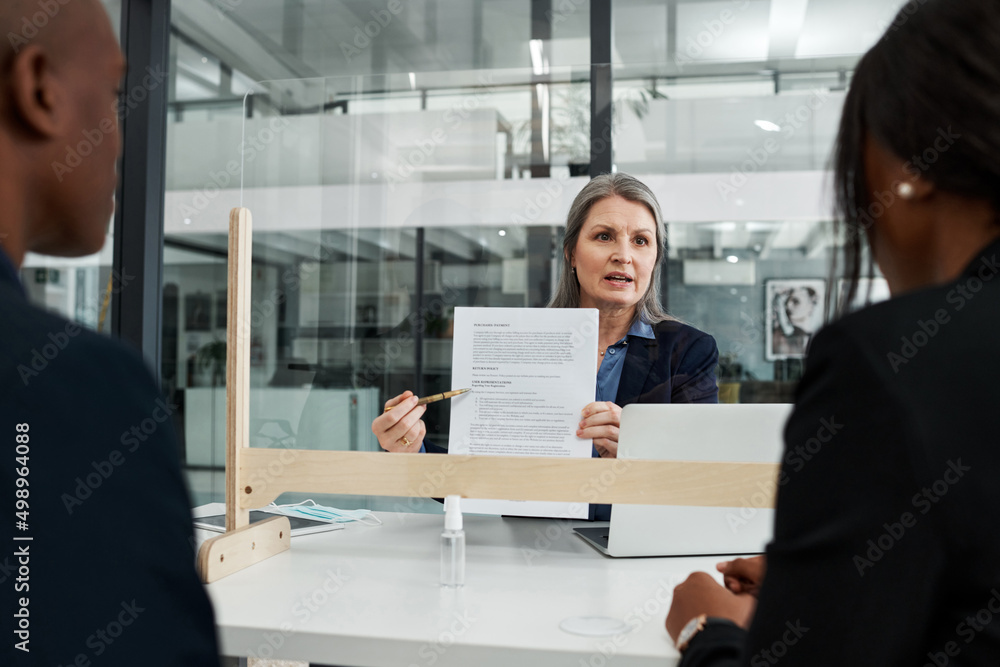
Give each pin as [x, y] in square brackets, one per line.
[567, 294]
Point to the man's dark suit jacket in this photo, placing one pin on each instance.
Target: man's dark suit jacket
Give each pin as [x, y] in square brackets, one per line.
[108, 576]
[887, 537]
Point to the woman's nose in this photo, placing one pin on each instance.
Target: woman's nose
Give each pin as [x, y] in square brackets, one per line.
[622, 253]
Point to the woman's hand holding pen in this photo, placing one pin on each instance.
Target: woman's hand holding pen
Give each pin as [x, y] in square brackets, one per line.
[401, 429]
[599, 421]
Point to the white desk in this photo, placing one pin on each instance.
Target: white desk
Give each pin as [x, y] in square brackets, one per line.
[370, 597]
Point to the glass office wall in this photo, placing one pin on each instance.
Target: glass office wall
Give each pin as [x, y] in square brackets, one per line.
[428, 179]
[403, 160]
[732, 109]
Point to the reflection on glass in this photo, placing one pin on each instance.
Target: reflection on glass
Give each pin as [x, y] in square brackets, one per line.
[401, 168]
[729, 111]
[79, 288]
[373, 219]
[725, 277]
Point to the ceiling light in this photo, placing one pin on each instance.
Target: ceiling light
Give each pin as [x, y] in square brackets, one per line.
[502, 232]
[767, 126]
[732, 259]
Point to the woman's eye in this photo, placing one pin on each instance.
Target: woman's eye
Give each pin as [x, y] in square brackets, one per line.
[603, 236]
[642, 241]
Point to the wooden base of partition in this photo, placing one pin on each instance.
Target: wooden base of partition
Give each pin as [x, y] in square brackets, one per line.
[223, 555]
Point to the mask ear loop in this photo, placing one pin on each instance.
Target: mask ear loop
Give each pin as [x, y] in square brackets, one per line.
[375, 521]
[307, 500]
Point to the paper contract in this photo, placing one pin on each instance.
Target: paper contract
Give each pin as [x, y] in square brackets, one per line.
[531, 370]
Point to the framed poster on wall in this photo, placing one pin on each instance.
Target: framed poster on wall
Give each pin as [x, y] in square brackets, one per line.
[795, 308]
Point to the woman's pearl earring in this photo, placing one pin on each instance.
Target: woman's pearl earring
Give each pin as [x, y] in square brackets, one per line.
[905, 190]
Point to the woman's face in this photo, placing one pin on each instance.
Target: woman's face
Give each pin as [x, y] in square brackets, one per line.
[615, 254]
[800, 306]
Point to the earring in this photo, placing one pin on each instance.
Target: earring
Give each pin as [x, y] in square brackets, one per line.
[905, 190]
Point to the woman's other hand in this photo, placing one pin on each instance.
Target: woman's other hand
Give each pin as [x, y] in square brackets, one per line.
[702, 594]
[401, 429]
[744, 575]
[599, 421]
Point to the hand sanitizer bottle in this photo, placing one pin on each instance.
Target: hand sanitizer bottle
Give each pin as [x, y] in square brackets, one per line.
[452, 544]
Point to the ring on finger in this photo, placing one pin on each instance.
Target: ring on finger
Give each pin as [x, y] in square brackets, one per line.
[406, 442]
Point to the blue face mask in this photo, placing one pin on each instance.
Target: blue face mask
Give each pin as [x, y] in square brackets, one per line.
[324, 513]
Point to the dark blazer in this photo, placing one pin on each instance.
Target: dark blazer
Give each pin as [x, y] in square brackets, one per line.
[108, 576]
[887, 536]
[678, 366]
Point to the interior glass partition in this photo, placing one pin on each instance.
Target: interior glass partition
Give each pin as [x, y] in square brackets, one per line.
[377, 210]
[741, 173]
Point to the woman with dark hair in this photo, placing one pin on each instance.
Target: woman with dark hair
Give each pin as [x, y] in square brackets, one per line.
[613, 249]
[886, 547]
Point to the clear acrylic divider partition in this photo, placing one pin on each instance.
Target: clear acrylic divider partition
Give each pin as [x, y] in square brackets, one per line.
[380, 204]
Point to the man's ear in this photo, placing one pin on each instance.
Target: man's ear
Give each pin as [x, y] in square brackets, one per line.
[34, 92]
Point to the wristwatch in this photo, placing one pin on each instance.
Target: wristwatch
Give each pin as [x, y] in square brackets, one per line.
[693, 627]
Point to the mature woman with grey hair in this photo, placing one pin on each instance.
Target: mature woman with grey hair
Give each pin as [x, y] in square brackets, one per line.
[613, 250]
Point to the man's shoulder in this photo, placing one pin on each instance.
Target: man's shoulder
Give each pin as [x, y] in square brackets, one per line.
[35, 344]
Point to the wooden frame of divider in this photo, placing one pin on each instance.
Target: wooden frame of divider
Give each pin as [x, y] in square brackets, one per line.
[255, 476]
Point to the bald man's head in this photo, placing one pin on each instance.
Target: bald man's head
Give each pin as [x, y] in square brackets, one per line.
[60, 68]
[55, 25]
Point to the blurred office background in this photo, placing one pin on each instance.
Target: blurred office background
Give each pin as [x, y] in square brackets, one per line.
[405, 157]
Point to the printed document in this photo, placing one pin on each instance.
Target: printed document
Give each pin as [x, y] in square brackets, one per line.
[531, 370]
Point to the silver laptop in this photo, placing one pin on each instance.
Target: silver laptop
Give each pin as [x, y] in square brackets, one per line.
[694, 432]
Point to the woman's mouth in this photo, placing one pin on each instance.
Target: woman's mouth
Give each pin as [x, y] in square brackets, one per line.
[619, 279]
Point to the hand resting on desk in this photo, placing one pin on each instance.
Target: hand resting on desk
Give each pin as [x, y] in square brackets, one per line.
[701, 594]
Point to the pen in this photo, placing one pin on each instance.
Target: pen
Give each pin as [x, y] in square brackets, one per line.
[436, 397]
